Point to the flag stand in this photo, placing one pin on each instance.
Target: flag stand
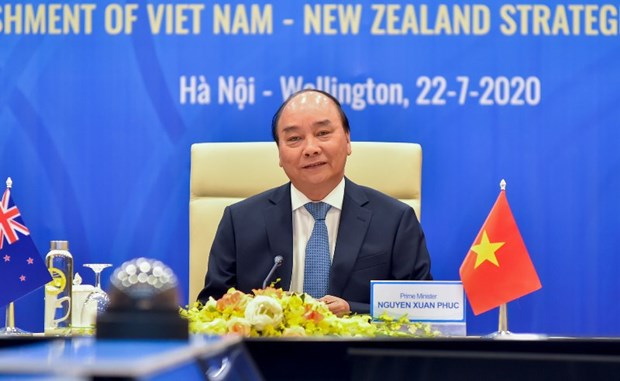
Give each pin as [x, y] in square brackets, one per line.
[502, 329]
[9, 329]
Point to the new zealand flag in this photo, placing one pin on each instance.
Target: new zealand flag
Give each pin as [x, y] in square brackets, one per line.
[22, 269]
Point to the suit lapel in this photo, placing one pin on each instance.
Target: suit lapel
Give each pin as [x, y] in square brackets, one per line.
[354, 221]
[279, 225]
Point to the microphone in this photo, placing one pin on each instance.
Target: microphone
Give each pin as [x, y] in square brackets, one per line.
[277, 262]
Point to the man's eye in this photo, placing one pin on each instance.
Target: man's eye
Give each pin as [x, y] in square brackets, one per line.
[293, 139]
[323, 133]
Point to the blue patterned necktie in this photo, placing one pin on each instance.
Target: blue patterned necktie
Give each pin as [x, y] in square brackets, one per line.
[318, 261]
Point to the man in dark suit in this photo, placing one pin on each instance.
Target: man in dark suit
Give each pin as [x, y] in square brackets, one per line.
[371, 236]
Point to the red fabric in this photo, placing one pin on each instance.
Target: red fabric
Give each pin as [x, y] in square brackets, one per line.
[489, 285]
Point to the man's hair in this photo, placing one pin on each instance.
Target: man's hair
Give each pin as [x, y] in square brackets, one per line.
[276, 116]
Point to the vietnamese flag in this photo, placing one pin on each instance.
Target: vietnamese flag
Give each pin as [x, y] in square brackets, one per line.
[498, 268]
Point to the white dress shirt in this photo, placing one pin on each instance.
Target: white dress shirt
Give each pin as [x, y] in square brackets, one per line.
[303, 223]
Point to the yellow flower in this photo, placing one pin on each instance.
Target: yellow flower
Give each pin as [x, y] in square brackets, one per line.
[274, 312]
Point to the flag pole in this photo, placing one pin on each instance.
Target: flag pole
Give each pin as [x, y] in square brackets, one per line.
[9, 325]
[9, 329]
[502, 327]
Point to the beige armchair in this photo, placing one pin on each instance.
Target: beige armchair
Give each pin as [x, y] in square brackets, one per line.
[224, 173]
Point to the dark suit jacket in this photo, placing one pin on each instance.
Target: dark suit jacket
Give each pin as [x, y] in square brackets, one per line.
[379, 238]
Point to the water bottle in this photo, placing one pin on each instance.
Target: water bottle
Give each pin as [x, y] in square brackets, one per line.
[59, 262]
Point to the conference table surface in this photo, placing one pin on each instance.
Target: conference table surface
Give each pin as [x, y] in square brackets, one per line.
[526, 357]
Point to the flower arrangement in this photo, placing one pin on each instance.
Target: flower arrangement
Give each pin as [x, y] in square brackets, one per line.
[272, 312]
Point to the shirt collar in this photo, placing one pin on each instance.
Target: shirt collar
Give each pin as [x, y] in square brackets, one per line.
[334, 198]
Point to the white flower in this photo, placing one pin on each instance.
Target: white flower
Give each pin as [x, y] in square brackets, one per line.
[216, 326]
[211, 303]
[294, 331]
[262, 311]
[239, 326]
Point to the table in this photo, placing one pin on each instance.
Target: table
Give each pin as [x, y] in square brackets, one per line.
[468, 358]
[325, 359]
[86, 358]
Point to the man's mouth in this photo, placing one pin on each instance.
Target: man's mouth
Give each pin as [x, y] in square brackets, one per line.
[314, 165]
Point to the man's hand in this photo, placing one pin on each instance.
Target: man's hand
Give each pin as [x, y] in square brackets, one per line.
[336, 305]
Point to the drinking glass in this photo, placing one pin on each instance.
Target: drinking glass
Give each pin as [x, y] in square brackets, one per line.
[97, 301]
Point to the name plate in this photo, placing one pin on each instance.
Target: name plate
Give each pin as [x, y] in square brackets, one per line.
[425, 301]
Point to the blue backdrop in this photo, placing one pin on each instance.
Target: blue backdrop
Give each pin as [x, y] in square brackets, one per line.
[100, 102]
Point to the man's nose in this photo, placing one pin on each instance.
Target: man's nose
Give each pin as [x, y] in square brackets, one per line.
[312, 147]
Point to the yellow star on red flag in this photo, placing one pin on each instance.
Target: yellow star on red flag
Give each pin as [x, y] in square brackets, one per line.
[486, 250]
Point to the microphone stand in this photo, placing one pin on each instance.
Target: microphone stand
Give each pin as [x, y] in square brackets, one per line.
[277, 262]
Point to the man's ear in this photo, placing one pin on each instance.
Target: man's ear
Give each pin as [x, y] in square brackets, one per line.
[349, 144]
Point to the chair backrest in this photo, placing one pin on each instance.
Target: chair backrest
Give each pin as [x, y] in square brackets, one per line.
[224, 173]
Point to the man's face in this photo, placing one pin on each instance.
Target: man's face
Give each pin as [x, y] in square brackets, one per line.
[313, 145]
